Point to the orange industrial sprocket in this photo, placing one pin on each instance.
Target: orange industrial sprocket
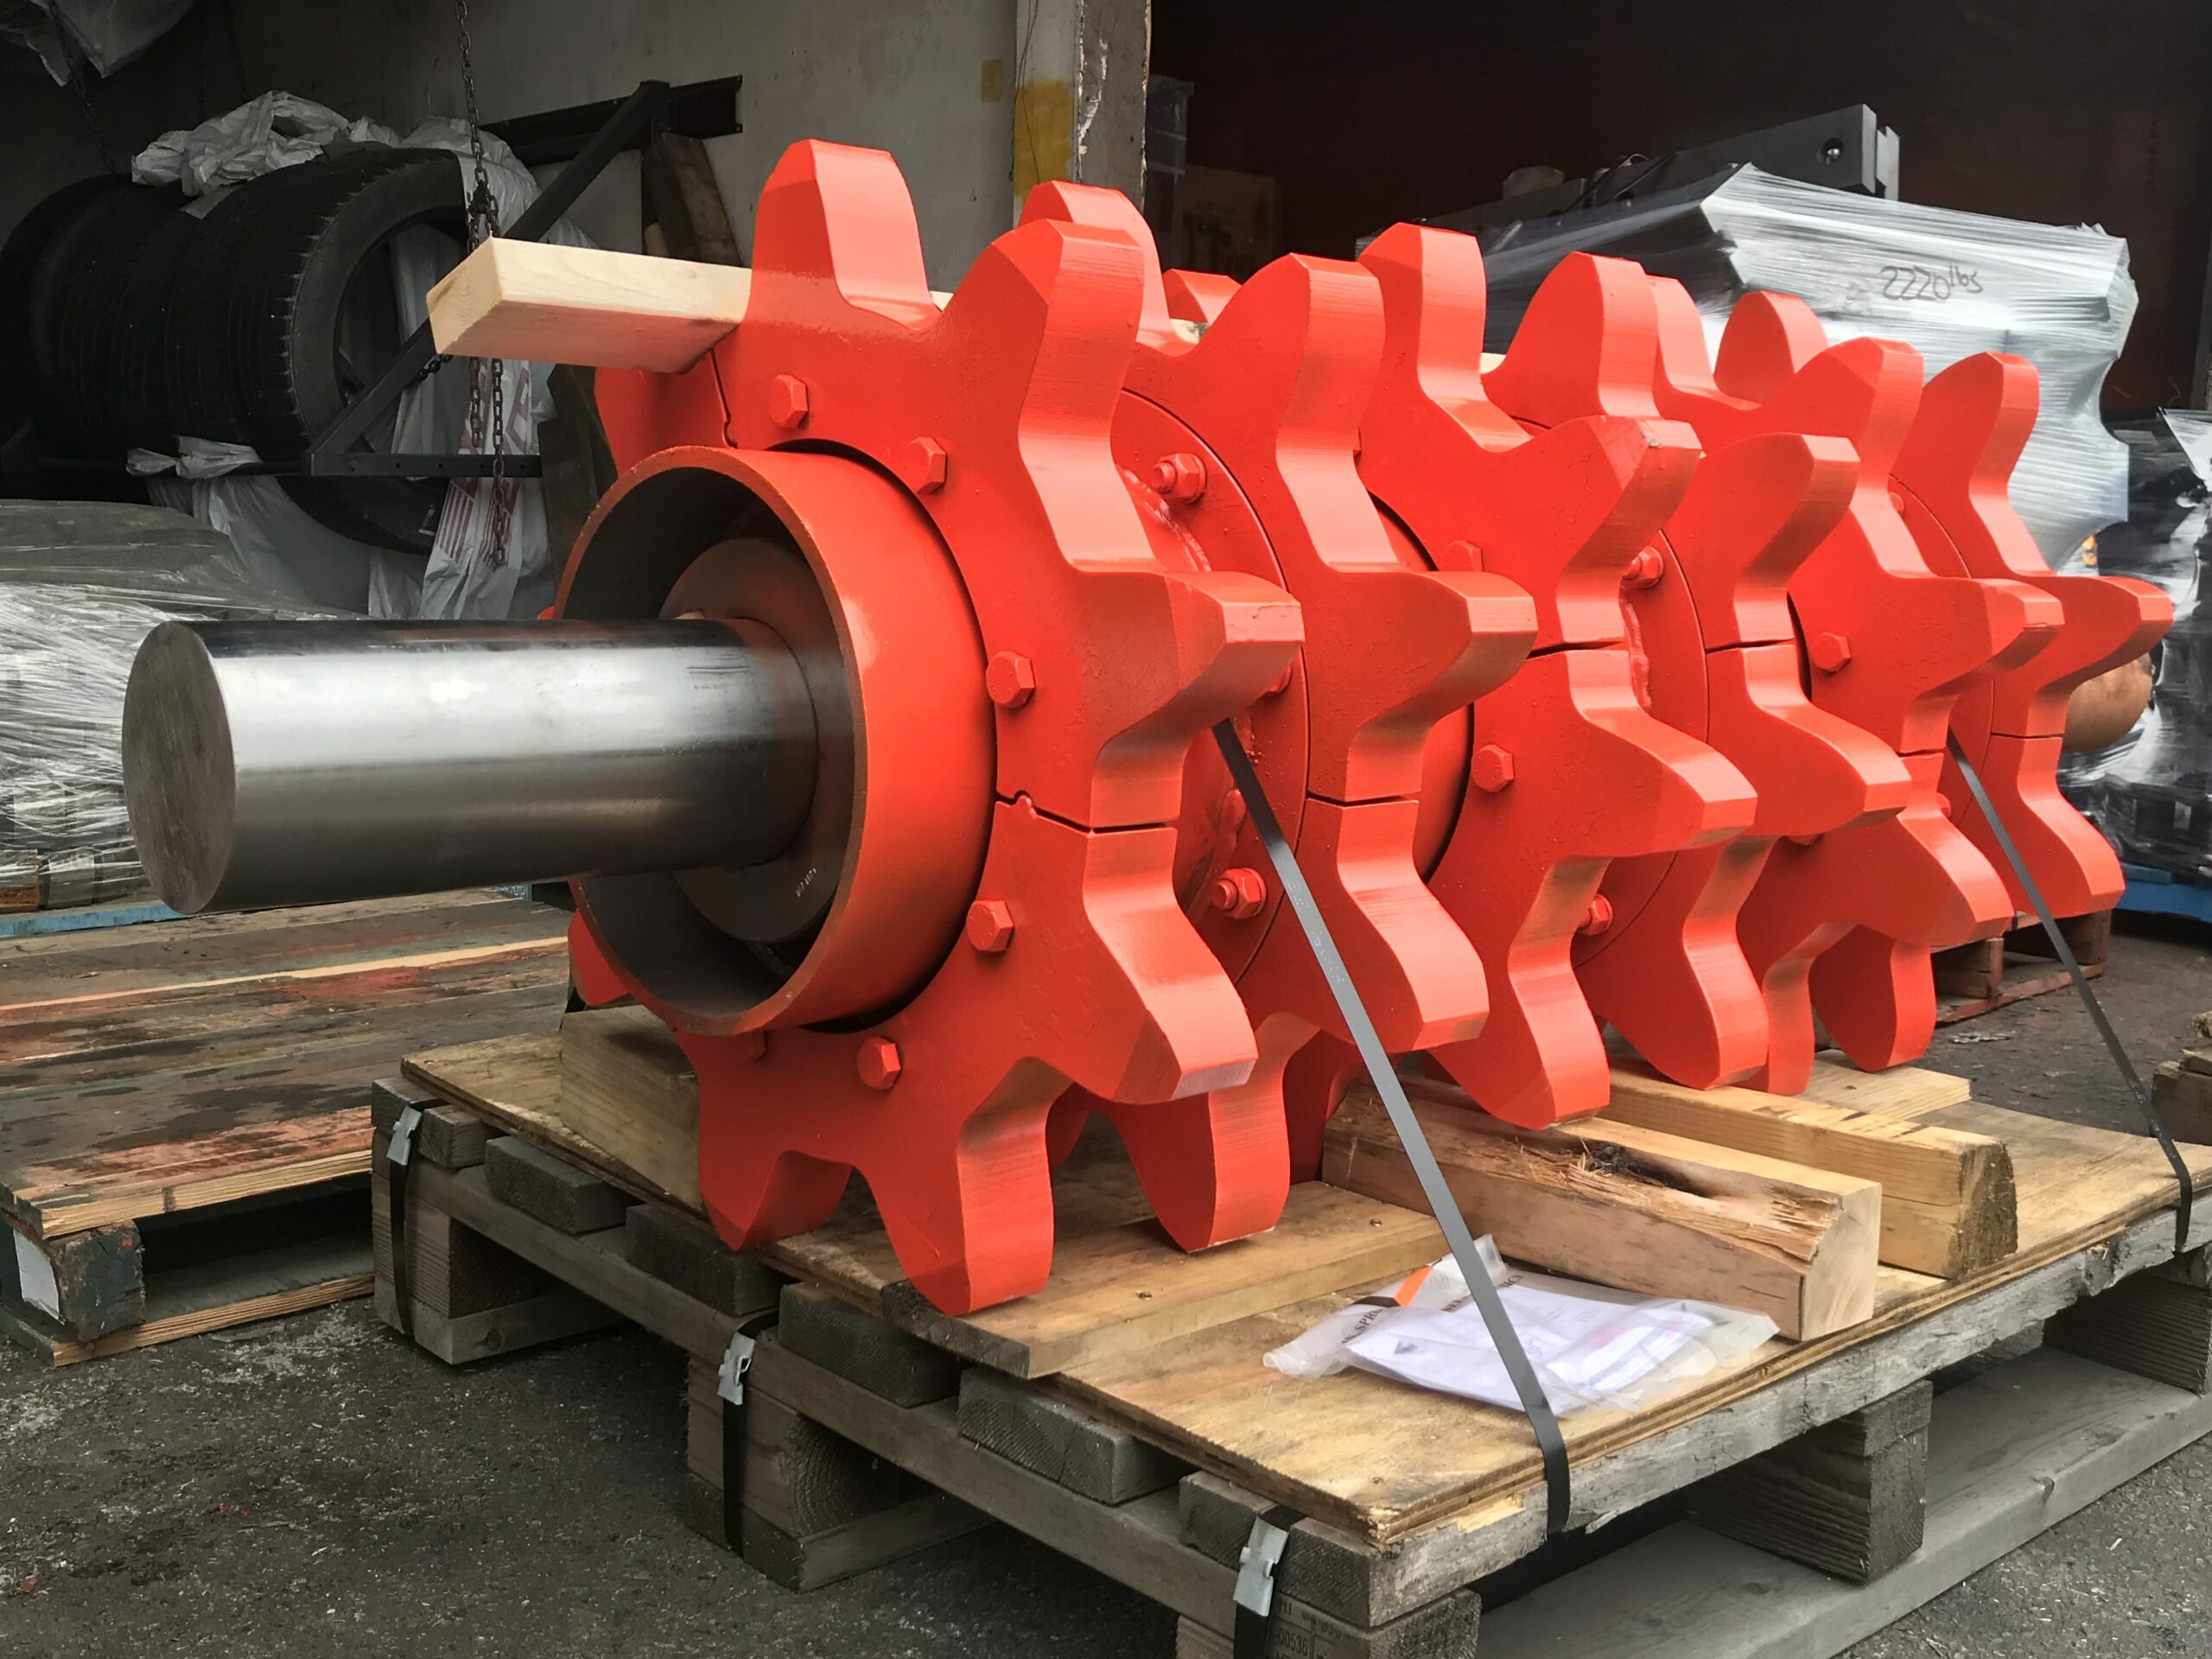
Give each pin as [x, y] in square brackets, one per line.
[1710, 627]
[1844, 921]
[1012, 663]
[1568, 770]
[1244, 439]
[1953, 474]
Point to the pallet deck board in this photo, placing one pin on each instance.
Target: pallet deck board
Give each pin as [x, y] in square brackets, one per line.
[178, 1065]
[1380, 1460]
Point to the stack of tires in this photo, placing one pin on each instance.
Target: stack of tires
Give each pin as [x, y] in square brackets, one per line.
[132, 316]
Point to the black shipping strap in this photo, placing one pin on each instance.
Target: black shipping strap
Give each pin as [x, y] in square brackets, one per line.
[2126, 1067]
[730, 1384]
[1255, 1580]
[1441, 1204]
[399, 1159]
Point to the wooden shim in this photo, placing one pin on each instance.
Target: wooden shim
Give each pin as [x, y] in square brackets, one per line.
[627, 1089]
[833, 1333]
[1097, 1459]
[1635, 1210]
[89, 1284]
[1901, 1092]
[1134, 1543]
[548, 1187]
[1847, 1498]
[1949, 1206]
[2010, 1455]
[537, 303]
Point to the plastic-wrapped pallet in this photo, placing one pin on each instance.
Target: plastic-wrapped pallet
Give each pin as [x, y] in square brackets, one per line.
[2151, 791]
[81, 584]
[1949, 283]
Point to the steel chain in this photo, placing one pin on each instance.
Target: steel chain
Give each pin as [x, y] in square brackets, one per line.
[483, 222]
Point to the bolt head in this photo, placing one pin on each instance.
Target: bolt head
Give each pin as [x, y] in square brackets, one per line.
[1490, 768]
[1239, 893]
[878, 1062]
[1599, 917]
[1645, 569]
[787, 402]
[1463, 555]
[1179, 477]
[990, 926]
[1896, 499]
[926, 466]
[1280, 683]
[1828, 652]
[1010, 679]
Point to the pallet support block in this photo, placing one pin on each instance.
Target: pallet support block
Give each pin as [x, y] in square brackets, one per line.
[1849, 1498]
[1037, 1432]
[88, 1284]
[2158, 1324]
[855, 1344]
[2183, 1093]
[690, 1256]
[818, 1508]
[550, 1189]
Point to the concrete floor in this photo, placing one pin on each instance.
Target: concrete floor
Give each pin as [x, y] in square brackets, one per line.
[313, 1486]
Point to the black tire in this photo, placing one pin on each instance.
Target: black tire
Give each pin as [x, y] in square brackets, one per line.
[89, 313]
[307, 249]
[31, 285]
[137, 411]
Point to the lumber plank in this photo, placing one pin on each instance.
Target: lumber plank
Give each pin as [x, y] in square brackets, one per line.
[1901, 1092]
[1948, 1202]
[542, 303]
[1634, 1209]
[626, 1087]
[1099, 1460]
[549, 1187]
[860, 1347]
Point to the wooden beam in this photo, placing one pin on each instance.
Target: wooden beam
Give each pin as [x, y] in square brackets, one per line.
[1635, 1209]
[1949, 1203]
[547, 304]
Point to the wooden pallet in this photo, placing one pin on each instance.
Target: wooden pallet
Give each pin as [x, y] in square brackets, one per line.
[1123, 1415]
[2019, 963]
[184, 1141]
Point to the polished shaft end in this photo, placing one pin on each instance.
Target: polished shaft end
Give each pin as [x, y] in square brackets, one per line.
[278, 763]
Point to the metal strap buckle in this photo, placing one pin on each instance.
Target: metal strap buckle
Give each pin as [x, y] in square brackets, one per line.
[737, 1360]
[1256, 1564]
[401, 1151]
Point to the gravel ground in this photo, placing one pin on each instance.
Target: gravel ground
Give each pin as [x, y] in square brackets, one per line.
[312, 1486]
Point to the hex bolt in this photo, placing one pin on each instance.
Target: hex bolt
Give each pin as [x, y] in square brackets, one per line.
[926, 466]
[1829, 651]
[1280, 683]
[1010, 679]
[1239, 893]
[787, 402]
[1179, 477]
[990, 926]
[878, 1062]
[1598, 918]
[1490, 768]
[1645, 569]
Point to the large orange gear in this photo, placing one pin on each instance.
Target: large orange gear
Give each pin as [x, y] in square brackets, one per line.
[1014, 662]
[1246, 438]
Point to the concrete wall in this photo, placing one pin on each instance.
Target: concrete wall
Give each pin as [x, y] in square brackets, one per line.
[930, 81]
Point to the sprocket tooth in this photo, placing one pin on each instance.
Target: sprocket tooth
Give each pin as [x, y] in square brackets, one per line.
[842, 215]
[1313, 1086]
[1199, 296]
[2076, 869]
[1587, 345]
[971, 1220]
[1754, 513]
[1768, 340]
[1676, 984]
[1058, 200]
[1813, 773]
[1216, 1167]
[1876, 994]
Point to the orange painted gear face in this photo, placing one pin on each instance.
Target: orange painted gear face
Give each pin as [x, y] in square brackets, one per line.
[1008, 662]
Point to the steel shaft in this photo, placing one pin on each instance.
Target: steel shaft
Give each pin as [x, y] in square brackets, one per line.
[285, 763]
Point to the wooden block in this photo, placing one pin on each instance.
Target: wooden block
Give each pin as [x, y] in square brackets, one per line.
[1359, 1583]
[1901, 1092]
[88, 1284]
[627, 1088]
[687, 1255]
[1443, 1630]
[1949, 1206]
[460, 1339]
[448, 1136]
[1973, 972]
[678, 179]
[2090, 937]
[1634, 1209]
[538, 303]
[452, 1270]
[818, 1508]
[1097, 1459]
[545, 1186]
[2182, 1094]
[834, 1334]
[1849, 1498]
[2158, 1324]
